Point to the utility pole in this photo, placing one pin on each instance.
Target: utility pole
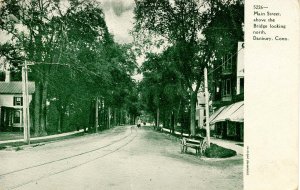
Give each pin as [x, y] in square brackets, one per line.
[206, 107]
[26, 118]
[97, 115]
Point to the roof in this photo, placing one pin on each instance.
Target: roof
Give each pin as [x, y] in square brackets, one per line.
[233, 112]
[15, 87]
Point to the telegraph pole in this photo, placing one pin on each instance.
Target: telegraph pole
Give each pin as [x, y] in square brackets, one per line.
[206, 107]
[27, 103]
[26, 118]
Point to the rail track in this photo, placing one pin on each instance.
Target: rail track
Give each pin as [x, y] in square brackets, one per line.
[97, 154]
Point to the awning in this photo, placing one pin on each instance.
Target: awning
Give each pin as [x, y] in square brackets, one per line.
[233, 112]
[216, 113]
[238, 116]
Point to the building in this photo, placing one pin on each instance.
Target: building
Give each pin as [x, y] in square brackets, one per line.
[11, 103]
[227, 118]
[200, 110]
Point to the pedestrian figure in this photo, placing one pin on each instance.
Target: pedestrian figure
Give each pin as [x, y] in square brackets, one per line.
[139, 123]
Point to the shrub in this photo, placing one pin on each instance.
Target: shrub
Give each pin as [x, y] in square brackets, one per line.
[202, 132]
[215, 151]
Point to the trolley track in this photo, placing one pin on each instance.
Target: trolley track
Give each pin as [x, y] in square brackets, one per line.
[123, 142]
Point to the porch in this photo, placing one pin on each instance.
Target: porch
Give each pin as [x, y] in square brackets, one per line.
[10, 119]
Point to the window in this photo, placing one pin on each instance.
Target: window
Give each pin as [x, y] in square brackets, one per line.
[18, 101]
[17, 117]
[242, 85]
[227, 62]
[226, 87]
[231, 129]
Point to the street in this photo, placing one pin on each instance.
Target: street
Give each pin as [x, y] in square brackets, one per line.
[120, 158]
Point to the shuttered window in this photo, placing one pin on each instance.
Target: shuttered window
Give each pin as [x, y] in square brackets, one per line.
[18, 101]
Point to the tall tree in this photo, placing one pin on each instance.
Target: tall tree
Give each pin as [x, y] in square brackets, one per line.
[162, 88]
[194, 30]
[178, 22]
[51, 35]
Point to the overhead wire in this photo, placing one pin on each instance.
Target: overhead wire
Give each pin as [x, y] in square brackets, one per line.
[226, 61]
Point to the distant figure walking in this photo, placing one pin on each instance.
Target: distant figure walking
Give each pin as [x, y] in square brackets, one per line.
[139, 123]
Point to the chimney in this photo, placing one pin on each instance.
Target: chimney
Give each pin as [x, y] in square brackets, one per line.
[7, 76]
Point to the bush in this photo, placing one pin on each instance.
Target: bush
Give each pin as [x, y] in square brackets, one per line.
[215, 151]
[202, 132]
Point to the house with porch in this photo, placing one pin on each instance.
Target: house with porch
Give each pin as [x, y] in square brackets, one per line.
[11, 103]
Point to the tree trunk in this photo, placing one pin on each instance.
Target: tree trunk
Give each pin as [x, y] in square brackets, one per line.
[102, 112]
[115, 117]
[108, 117]
[157, 117]
[164, 121]
[172, 122]
[193, 112]
[96, 115]
[61, 120]
[101, 115]
[104, 118]
[37, 109]
[44, 107]
[176, 115]
[121, 117]
[131, 119]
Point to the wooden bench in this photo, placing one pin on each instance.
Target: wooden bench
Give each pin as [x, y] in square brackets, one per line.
[198, 144]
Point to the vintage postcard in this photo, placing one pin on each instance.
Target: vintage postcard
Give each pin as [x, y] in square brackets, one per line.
[149, 94]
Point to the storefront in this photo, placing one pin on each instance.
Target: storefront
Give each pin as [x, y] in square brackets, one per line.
[228, 122]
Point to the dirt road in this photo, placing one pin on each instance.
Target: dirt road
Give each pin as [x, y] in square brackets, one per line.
[120, 158]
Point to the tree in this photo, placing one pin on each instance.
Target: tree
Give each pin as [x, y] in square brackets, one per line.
[60, 43]
[223, 26]
[161, 87]
[198, 32]
[75, 62]
[38, 40]
[178, 22]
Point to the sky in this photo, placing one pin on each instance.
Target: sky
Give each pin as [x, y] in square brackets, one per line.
[119, 18]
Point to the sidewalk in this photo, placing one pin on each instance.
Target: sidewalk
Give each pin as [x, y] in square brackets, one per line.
[229, 144]
[17, 142]
[233, 145]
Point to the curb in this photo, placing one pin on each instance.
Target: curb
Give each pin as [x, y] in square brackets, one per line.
[36, 140]
[178, 134]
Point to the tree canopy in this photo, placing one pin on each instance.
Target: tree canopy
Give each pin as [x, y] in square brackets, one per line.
[74, 62]
[193, 34]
